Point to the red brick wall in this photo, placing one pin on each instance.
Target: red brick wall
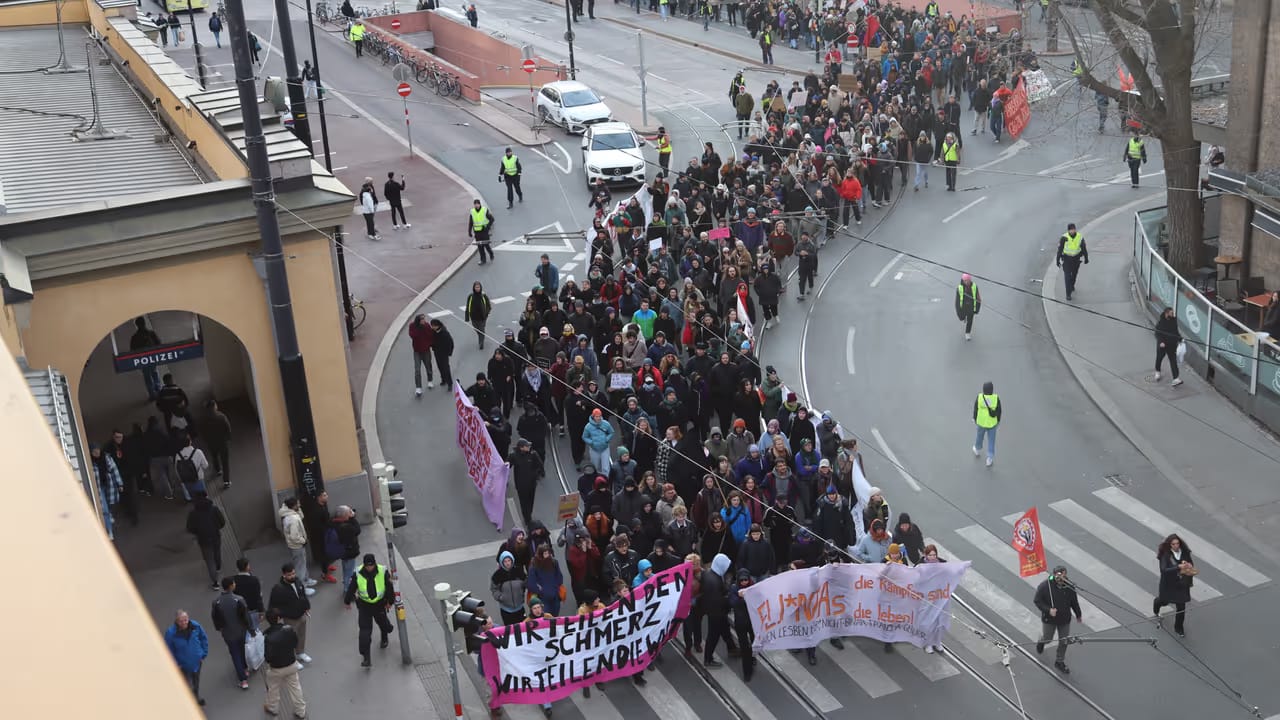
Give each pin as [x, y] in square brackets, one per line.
[480, 59]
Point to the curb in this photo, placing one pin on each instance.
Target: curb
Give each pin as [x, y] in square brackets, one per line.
[1110, 409]
[755, 64]
[537, 141]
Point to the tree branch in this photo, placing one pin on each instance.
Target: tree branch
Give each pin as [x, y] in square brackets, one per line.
[1117, 8]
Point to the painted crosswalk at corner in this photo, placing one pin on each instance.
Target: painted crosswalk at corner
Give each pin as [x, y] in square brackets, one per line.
[986, 593]
[804, 681]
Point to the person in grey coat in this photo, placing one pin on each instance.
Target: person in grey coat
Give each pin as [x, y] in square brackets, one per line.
[231, 618]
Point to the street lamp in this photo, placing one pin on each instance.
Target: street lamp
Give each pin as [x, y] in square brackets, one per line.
[568, 37]
[195, 43]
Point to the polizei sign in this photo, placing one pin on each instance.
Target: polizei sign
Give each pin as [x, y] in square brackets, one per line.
[159, 355]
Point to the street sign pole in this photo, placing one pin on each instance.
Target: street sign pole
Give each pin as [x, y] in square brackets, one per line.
[644, 101]
[404, 89]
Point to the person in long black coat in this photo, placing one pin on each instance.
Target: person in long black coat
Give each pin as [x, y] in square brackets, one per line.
[1175, 583]
[527, 471]
[532, 426]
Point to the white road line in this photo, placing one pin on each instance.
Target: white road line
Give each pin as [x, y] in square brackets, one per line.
[1008, 152]
[741, 694]
[523, 712]
[956, 214]
[1084, 160]
[1063, 84]
[1112, 535]
[884, 447]
[885, 270]
[567, 168]
[804, 681]
[1003, 553]
[1162, 526]
[860, 669]
[597, 706]
[455, 556]
[516, 521]
[979, 646]
[439, 314]
[1119, 179]
[500, 300]
[344, 167]
[609, 59]
[568, 266]
[848, 352]
[897, 275]
[663, 698]
[656, 76]
[1082, 563]
[986, 592]
[932, 665]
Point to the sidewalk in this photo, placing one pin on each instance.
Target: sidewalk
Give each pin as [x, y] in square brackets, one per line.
[1197, 438]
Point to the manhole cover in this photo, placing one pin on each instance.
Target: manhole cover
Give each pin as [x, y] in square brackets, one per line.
[1118, 480]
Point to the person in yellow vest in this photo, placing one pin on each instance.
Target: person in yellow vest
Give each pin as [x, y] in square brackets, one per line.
[370, 589]
[968, 303]
[356, 33]
[951, 158]
[509, 172]
[1135, 153]
[986, 415]
[931, 10]
[663, 144]
[766, 45]
[479, 223]
[1071, 250]
[1044, 10]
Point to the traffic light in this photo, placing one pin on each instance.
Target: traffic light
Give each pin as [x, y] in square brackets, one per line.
[391, 491]
[465, 612]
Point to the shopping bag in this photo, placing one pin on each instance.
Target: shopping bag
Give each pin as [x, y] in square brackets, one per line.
[254, 650]
[1182, 352]
[182, 36]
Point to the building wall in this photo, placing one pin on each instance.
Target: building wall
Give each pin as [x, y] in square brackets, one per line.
[70, 317]
[43, 13]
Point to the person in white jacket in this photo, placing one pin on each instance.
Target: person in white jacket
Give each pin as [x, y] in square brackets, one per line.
[295, 536]
[368, 206]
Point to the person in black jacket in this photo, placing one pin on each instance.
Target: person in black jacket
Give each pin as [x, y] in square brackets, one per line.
[527, 471]
[1056, 599]
[755, 555]
[713, 602]
[907, 534]
[483, 395]
[768, 287]
[371, 590]
[1167, 338]
[391, 191]
[442, 349]
[249, 587]
[1177, 570]
[832, 519]
[205, 522]
[499, 432]
[502, 371]
[532, 426]
[289, 598]
[742, 621]
[279, 643]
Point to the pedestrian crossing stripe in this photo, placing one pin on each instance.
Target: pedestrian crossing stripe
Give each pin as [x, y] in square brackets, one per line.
[666, 701]
[1024, 620]
[741, 694]
[804, 681]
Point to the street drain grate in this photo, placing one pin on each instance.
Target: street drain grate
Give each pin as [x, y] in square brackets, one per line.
[1118, 480]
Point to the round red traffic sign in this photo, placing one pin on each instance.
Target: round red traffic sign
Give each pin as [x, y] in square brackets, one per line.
[404, 89]
[395, 24]
[529, 66]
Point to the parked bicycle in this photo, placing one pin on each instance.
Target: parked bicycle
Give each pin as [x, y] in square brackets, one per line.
[449, 86]
[357, 312]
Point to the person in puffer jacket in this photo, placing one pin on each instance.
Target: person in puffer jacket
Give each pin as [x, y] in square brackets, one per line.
[755, 555]
[645, 569]
[873, 546]
[507, 584]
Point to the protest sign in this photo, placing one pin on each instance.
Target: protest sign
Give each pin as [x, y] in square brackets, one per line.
[721, 233]
[1029, 543]
[1038, 85]
[567, 509]
[1017, 111]
[541, 661]
[484, 463]
[884, 601]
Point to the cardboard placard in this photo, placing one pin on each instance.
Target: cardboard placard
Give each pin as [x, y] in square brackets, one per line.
[568, 506]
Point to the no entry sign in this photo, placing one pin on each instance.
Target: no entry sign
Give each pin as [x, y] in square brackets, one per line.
[395, 24]
[529, 66]
[404, 89]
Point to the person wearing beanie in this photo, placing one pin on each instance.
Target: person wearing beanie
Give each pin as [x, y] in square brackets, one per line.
[371, 590]
[482, 395]
[755, 555]
[828, 436]
[876, 509]
[739, 441]
[661, 558]
[894, 555]
[624, 468]
[597, 435]
[508, 585]
[831, 519]
[627, 502]
[987, 411]
[908, 536]
[538, 611]
[874, 546]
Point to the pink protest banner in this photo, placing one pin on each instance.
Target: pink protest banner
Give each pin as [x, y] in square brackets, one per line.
[541, 661]
[484, 464]
[718, 234]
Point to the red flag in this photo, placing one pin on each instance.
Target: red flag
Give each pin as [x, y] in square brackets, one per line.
[1017, 111]
[873, 27]
[1029, 544]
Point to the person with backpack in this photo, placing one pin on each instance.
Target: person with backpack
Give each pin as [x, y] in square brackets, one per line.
[191, 465]
[342, 542]
[205, 522]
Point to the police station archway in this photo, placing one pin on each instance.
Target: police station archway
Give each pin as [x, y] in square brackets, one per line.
[207, 361]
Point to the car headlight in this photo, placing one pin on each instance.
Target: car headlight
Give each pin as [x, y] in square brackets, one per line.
[593, 168]
[638, 168]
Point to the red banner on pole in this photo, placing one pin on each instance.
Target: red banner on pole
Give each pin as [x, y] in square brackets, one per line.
[1029, 544]
[1017, 111]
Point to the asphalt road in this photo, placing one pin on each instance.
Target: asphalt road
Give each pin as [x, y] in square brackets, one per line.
[883, 337]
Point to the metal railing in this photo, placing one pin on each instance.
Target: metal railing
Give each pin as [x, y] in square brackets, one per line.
[1217, 344]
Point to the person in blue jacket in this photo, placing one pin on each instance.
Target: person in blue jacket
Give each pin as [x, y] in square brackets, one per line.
[597, 435]
[736, 517]
[546, 579]
[189, 645]
[645, 571]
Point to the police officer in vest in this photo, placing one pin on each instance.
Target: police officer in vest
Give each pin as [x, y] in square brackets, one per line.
[663, 144]
[1135, 153]
[951, 158]
[986, 415]
[968, 303]
[356, 33]
[479, 223]
[931, 10]
[509, 172]
[1071, 250]
[370, 589]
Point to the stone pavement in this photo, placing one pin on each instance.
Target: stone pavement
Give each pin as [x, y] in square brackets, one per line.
[1219, 458]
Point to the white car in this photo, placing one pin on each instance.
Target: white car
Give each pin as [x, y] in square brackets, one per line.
[611, 151]
[571, 105]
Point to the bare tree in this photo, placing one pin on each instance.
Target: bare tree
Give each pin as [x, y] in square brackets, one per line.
[1164, 108]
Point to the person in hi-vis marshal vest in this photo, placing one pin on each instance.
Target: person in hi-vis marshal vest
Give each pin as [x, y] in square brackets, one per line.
[1135, 153]
[1071, 251]
[370, 589]
[986, 415]
[479, 223]
[509, 172]
[968, 303]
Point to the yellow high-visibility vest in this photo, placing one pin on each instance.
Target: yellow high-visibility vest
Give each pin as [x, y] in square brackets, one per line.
[1135, 149]
[951, 153]
[379, 586]
[1073, 244]
[479, 218]
[509, 164]
[973, 293]
[357, 33]
[664, 145]
[987, 404]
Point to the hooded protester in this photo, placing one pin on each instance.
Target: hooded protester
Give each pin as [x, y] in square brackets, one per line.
[508, 586]
[709, 501]
[742, 621]
[713, 602]
[829, 438]
[832, 520]
[806, 550]
[600, 497]
[517, 543]
[716, 445]
[661, 558]
[539, 535]
[502, 370]
[546, 580]
[644, 570]
[807, 461]
[874, 546]
[877, 509]
[627, 502]
[779, 520]
[585, 567]
[907, 534]
[740, 437]
[526, 472]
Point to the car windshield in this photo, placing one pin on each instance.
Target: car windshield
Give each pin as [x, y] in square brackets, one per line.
[578, 98]
[613, 141]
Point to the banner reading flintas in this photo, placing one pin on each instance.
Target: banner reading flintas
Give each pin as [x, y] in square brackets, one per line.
[887, 602]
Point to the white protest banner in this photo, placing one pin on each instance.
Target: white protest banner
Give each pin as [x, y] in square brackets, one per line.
[884, 601]
[1038, 85]
[541, 661]
[484, 464]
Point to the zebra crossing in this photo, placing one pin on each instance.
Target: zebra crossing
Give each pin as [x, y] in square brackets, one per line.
[1107, 539]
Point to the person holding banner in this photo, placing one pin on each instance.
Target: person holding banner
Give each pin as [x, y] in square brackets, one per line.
[538, 611]
[742, 622]
[1056, 599]
[713, 602]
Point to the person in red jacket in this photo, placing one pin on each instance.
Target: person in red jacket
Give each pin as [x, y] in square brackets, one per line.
[851, 192]
[422, 336]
